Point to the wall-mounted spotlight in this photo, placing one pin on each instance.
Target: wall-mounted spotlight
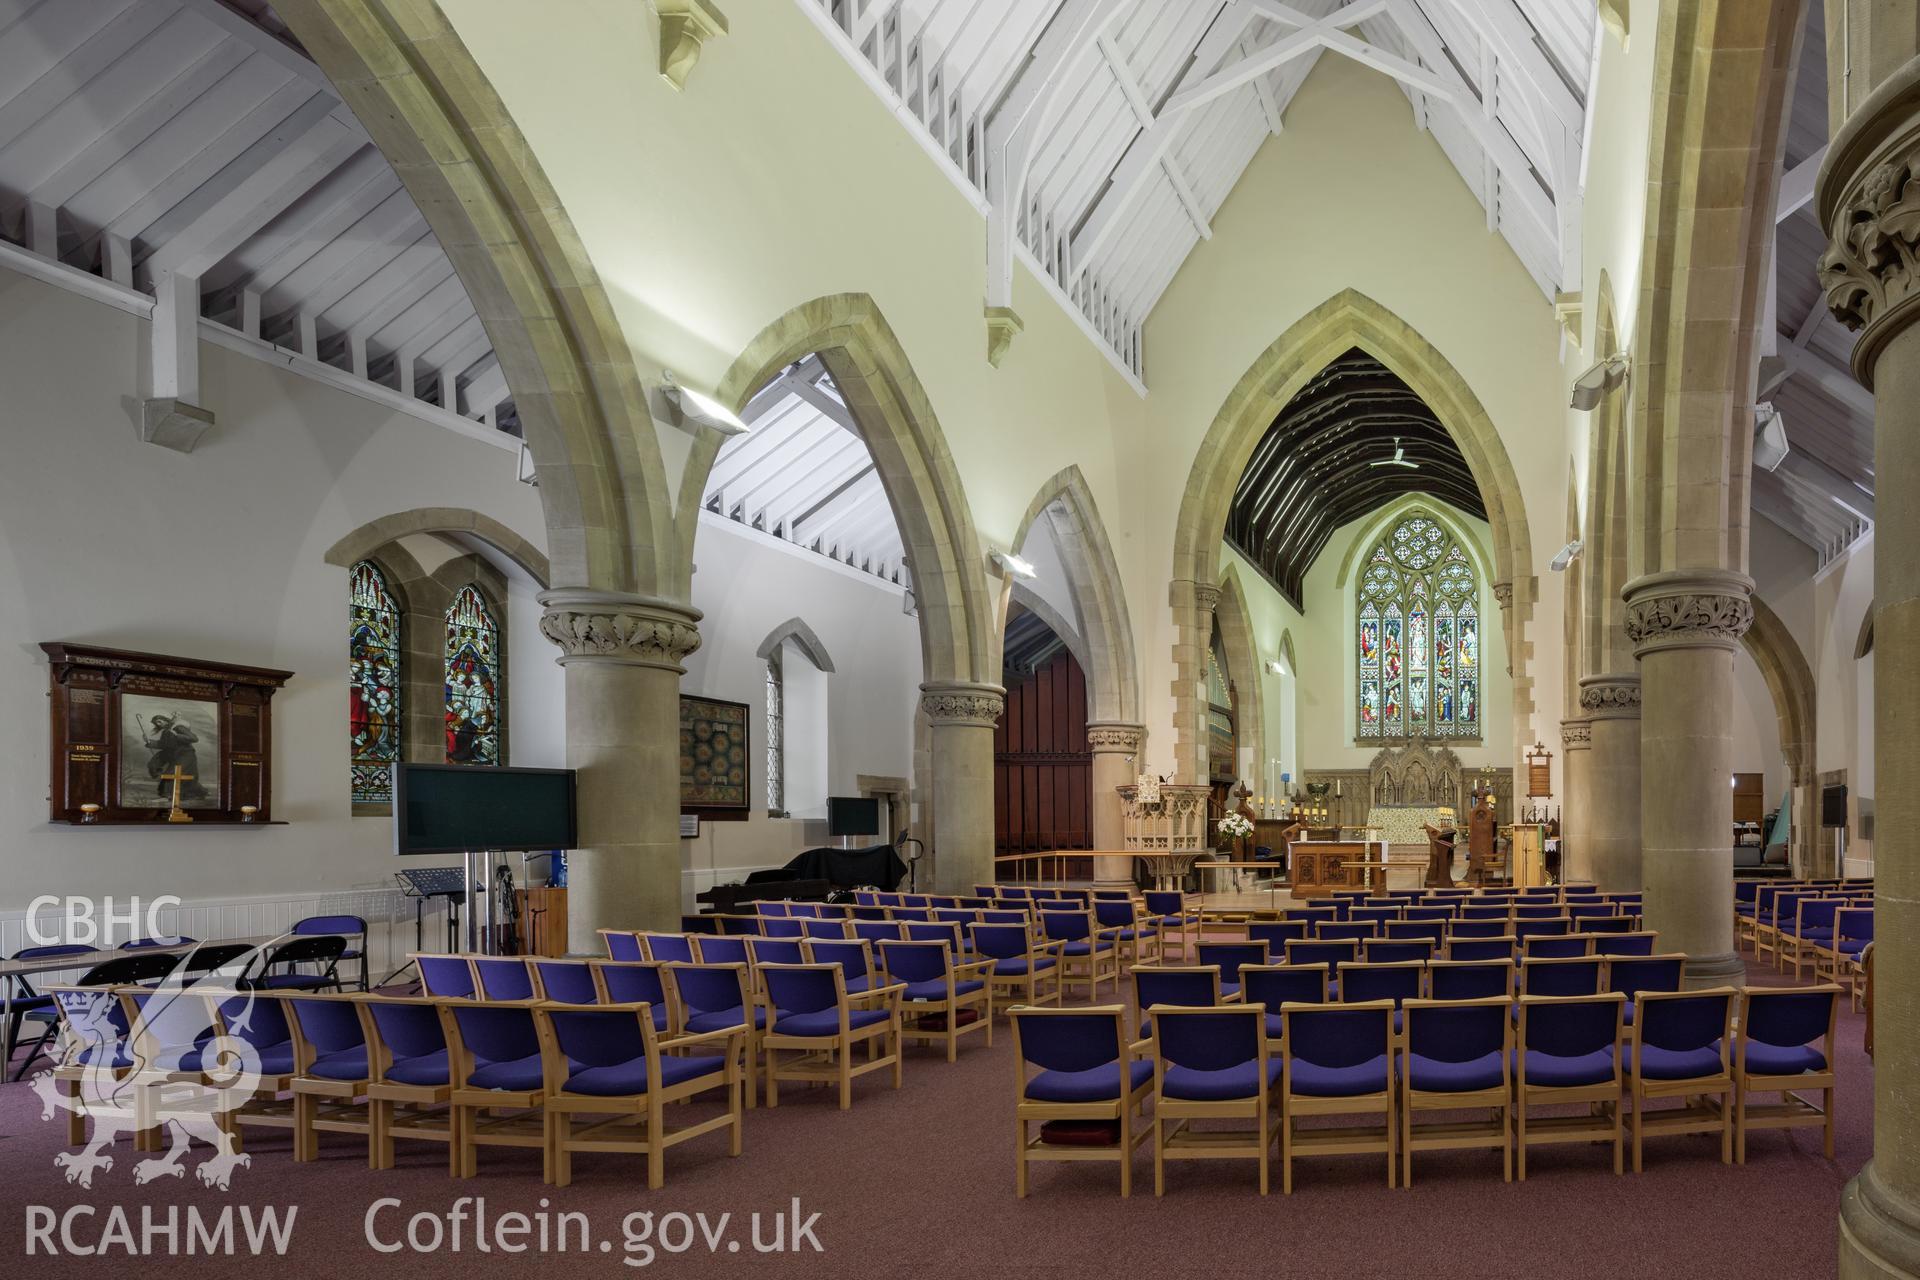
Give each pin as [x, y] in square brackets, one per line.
[1591, 387]
[690, 408]
[1013, 564]
[1275, 668]
[1770, 444]
[1566, 556]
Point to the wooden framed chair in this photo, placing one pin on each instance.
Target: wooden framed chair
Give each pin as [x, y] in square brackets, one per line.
[606, 1062]
[330, 1074]
[1682, 1049]
[639, 982]
[498, 1081]
[1337, 1061]
[1568, 1052]
[1774, 919]
[1087, 1094]
[1026, 970]
[1170, 909]
[504, 977]
[1088, 953]
[409, 1079]
[447, 977]
[1136, 936]
[1838, 961]
[564, 981]
[1785, 1046]
[1212, 1064]
[622, 944]
[941, 1001]
[711, 998]
[1812, 928]
[1458, 1057]
[1184, 986]
[812, 1014]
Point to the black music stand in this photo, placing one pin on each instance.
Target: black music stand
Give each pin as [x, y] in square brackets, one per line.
[420, 884]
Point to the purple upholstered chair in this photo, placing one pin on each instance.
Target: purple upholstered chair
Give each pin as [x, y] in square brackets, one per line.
[1026, 970]
[714, 997]
[353, 931]
[503, 977]
[1395, 950]
[718, 950]
[607, 1062]
[1273, 985]
[1345, 930]
[1331, 954]
[1480, 912]
[1088, 952]
[1212, 1063]
[1277, 933]
[1568, 946]
[676, 948]
[622, 945]
[499, 1083]
[776, 951]
[1811, 929]
[775, 927]
[447, 977]
[1459, 1057]
[1500, 948]
[1424, 913]
[1785, 1046]
[944, 931]
[1138, 938]
[330, 1057]
[1195, 986]
[1681, 1049]
[812, 927]
[815, 1015]
[1623, 944]
[1559, 926]
[1630, 975]
[855, 959]
[1569, 1053]
[1312, 915]
[1469, 979]
[878, 931]
[1083, 1087]
[1397, 981]
[639, 982]
[944, 999]
[566, 981]
[1500, 927]
[1572, 977]
[1338, 1061]
[407, 1066]
[1229, 956]
[1434, 931]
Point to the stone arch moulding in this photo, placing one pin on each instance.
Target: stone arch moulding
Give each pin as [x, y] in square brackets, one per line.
[417, 90]
[1243, 666]
[1605, 558]
[1863, 643]
[1348, 319]
[959, 638]
[801, 634]
[1379, 522]
[376, 534]
[1790, 680]
[1036, 604]
[1093, 579]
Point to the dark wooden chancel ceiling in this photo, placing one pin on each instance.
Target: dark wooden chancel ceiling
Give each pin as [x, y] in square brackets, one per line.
[1313, 470]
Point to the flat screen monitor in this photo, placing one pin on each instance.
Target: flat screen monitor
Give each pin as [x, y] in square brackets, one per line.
[853, 816]
[1833, 806]
[455, 808]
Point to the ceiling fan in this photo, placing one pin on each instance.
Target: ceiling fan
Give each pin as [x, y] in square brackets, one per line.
[1399, 458]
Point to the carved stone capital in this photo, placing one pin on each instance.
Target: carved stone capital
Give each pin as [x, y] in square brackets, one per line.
[1003, 326]
[1503, 594]
[1615, 696]
[1206, 596]
[1576, 735]
[611, 626]
[962, 702]
[1869, 203]
[1115, 737]
[685, 25]
[1688, 609]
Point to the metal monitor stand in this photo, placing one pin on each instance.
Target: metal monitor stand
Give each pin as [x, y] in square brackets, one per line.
[478, 866]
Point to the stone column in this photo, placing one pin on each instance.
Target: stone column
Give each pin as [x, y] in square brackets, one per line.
[962, 715]
[1611, 703]
[1576, 852]
[1685, 625]
[1193, 605]
[1869, 196]
[622, 658]
[1116, 751]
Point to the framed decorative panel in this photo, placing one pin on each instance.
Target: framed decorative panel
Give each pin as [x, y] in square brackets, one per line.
[714, 744]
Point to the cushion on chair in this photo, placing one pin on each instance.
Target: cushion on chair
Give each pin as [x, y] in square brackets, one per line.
[427, 1069]
[1232, 1083]
[1316, 1081]
[1096, 1084]
[276, 1059]
[936, 989]
[514, 1074]
[1554, 1071]
[1811, 934]
[1854, 946]
[1782, 1059]
[824, 1022]
[715, 1019]
[627, 1079]
[1018, 968]
[347, 1064]
[1679, 1064]
[1432, 1075]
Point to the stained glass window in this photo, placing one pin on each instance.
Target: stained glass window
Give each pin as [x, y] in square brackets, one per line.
[474, 680]
[776, 737]
[373, 698]
[1417, 632]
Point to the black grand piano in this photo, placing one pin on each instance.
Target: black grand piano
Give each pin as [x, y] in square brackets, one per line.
[810, 877]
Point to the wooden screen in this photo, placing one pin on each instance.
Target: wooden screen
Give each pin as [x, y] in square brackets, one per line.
[1042, 770]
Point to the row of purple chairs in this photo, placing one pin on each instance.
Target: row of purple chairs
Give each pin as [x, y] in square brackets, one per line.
[1089, 1088]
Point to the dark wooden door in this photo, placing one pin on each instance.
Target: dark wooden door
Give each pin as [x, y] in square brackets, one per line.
[1042, 770]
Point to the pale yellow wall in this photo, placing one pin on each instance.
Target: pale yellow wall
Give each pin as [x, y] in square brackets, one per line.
[1350, 194]
[1843, 592]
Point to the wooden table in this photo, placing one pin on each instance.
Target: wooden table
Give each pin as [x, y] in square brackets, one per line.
[1318, 867]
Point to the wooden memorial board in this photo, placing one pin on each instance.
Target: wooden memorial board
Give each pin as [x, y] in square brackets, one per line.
[120, 721]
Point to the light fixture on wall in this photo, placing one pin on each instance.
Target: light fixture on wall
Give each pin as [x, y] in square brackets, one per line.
[1591, 387]
[1013, 564]
[1275, 668]
[1770, 444]
[1566, 556]
[688, 407]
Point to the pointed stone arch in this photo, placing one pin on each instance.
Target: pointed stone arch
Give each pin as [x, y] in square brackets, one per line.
[801, 634]
[1348, 319]
[1066, 504]
[455, 522]
[1790, 680]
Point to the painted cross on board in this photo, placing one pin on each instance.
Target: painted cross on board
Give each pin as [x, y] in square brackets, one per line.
[178, 778]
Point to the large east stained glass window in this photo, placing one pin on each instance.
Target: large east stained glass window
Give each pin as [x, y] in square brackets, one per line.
[474, 680]
[373, 700]
[1417, 636]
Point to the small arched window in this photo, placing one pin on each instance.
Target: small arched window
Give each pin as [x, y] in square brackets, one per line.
[373, 696]
[776, 738]
[475, 682]
[1417, 632]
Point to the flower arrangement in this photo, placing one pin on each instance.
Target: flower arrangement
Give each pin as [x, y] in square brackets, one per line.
[1235, 826]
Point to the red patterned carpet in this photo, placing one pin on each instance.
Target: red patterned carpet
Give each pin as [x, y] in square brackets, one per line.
[921, 1182]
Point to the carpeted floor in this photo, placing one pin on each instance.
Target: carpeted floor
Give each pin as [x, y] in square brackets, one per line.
[921, 1181]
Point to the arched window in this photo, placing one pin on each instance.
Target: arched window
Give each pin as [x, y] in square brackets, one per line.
[475, 682]
[1417, 629]
[373, 700]
[776, 738]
